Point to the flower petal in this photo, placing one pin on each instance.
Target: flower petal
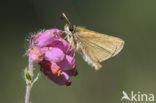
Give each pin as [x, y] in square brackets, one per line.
[50, 68]
[63, 45]
[61, 80]
[45, 38]
[35, 53]
[68, 63]
[54, 55]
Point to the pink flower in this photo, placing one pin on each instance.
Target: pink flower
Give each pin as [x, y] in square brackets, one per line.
[68, 63]
[45, 38]
[64, 79]
[50, 68]
[54, 55]
[63, 45]
[35, 53]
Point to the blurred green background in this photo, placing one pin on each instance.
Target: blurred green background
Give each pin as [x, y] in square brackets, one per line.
[133, 69]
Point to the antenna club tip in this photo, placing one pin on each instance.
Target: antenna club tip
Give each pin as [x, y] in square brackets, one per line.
[63, 14]
[65, 17]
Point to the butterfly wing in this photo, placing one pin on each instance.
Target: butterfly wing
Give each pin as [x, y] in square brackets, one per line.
[96, 47]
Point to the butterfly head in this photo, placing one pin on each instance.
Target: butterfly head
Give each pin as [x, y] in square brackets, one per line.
[69, 29]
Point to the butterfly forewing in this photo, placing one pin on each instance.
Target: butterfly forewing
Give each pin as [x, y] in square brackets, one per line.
[97, 47]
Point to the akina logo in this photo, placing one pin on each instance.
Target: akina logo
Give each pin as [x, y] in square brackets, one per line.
[137, 96]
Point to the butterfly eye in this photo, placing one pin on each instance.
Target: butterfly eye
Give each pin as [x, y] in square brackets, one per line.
[71, 28]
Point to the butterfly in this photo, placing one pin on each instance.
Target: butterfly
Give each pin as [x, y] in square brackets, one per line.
[93, 46]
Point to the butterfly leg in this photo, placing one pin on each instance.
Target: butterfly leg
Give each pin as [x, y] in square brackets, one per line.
[68, 48]
[74, 52]
[65, 37]
[74, 45]
[73, 55]
[70, 40]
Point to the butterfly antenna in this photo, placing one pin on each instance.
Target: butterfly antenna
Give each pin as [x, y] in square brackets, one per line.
[65, 17]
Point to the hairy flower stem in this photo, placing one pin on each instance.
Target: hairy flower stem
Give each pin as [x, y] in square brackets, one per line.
[28, 83]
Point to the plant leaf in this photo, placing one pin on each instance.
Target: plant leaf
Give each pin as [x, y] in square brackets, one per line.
[27, 75]
[36, 78]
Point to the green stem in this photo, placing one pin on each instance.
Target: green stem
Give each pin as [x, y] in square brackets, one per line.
[28, 83]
